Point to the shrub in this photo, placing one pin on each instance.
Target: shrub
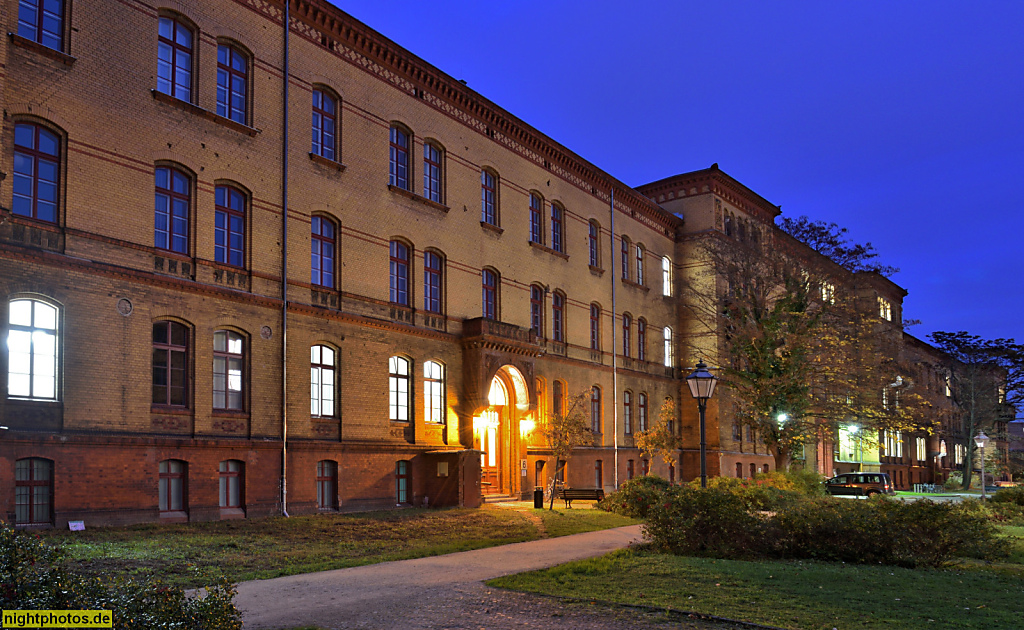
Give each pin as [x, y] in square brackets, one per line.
[34, 576]
[1014, 494]
[706, 522]
[635, 497]
[955, 481]
[762, 493]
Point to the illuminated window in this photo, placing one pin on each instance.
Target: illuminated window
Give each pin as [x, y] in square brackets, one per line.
[666, 276]
[32, 344]
[398, 389]
[228, 370]
[669, 353]
[828, 293]
[884, 309]
[322, 381]
[921, 449]
[433, 392]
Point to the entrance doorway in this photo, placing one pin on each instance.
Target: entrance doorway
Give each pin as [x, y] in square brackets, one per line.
[493, 426]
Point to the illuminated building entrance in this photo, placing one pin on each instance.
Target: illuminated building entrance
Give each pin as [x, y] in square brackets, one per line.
[493, 428]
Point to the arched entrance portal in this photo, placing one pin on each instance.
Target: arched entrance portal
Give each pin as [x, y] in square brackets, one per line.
[496, 432]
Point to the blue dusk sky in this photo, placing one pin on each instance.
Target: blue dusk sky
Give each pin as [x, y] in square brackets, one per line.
[901, 121]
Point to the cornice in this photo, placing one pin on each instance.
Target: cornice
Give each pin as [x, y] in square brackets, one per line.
[716, 181]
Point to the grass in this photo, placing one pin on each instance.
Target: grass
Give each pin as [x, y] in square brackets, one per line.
[805, 595]
[576, 521]
[186, 555]
[272, 547]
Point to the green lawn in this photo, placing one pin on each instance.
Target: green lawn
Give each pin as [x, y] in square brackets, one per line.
[270, 547]
[804, 595]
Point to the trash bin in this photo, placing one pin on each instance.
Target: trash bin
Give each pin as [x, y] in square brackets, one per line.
[538, 498]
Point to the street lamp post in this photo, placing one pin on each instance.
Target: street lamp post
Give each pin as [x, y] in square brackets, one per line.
[982, 441]
[702, 386]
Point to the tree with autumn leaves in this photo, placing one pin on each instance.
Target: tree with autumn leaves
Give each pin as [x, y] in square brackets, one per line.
[566, 429]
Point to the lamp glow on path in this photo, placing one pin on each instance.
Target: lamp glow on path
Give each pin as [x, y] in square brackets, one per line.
[702, 386]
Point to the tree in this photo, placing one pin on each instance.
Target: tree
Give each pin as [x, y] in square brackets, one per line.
[986, 382]
[567, 430]
[797, 357]
[828, 239]
[660, 440]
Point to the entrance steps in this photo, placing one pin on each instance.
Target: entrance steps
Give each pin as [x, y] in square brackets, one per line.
[499, 498]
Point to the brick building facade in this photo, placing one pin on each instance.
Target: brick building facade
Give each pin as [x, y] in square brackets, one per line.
[229, 295]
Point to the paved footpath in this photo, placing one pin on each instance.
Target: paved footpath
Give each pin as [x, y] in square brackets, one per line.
[443, 592]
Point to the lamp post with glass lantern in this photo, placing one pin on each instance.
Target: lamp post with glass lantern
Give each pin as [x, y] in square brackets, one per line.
[981, 440]
[702, 386]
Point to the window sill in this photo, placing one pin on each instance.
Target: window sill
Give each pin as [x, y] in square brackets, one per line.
[46, 51]
[329, 163]
[49, 226]
[325, 419]
[419, 198]
[41, 402]
[493, 228]
[597, 271]
[636, 285]
[170, 411]
[203, 113]
[230, 413]
[545, 248]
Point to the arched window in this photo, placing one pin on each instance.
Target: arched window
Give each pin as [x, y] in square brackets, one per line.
[594, 241]
[399, 174]
[557, 228]
[558, 316]
[42, 21]
[173, 205]
[36, 172]
[433, 278]
[433, 392]
[322, 247]
[327, 485]
[669, 353]
[433, 175]
[231, 474]
[491, 283]
[595, 409]
[233, 83]
[229, 226]
[322, 382]
[175, 60]
[33, 491]
[228, 370]
[398, 389]
[402, 482]
[641, 339]
[325, 124]
[627, 412]
[739, 470]
[595, 327]
[399, 273]
[488, 197]
[642, 412]
[640, 263]
[670, 422]
[33, 346]
[558, 398]
[170, 364]
[173, 488]
[627, 324]
[537, 310]
[624, 262]
[536, 222]
[728, 230]
[666, 276]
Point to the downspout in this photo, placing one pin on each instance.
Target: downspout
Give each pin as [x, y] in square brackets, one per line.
[284, 275]
[615, 371]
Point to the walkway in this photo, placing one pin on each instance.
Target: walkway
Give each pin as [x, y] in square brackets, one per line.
[442, 592]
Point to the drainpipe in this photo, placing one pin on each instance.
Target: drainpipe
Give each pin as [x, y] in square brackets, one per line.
[284, 275]
[615, 371]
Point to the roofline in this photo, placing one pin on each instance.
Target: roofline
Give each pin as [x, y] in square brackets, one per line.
[716, 173]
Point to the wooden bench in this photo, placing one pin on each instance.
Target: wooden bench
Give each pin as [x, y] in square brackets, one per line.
[583, 494]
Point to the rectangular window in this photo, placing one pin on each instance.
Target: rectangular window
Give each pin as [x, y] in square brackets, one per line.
[172, 485]
[232, 83]
[230, 474]
[595, 327]
[229, 226]
[402, 482]
[490, 294]
[666, 276]
[594, 242]
[642, 412]
[174, 59]
[558, 317]
[398, 389]
[399, 273]
[170, 364]
[557, 228]
[173, 202]
[32, 350]
[432, 276]
[669, 348]
[327, 485]
[488, 198]
[558, 399]
[228, 371]
[598, 474]
[641, 339]
[536, 231]
[629, 469]
[399, 163]
[36, 172]
[624, 262]
[595, 409]
[325, 124]
[537, 310]
[322, 242]
[627, 412]
[33, 491]
[639, 264]
[627, 325]
[884, 309]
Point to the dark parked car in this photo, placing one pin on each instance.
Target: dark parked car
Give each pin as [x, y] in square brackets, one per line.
[860, 484]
